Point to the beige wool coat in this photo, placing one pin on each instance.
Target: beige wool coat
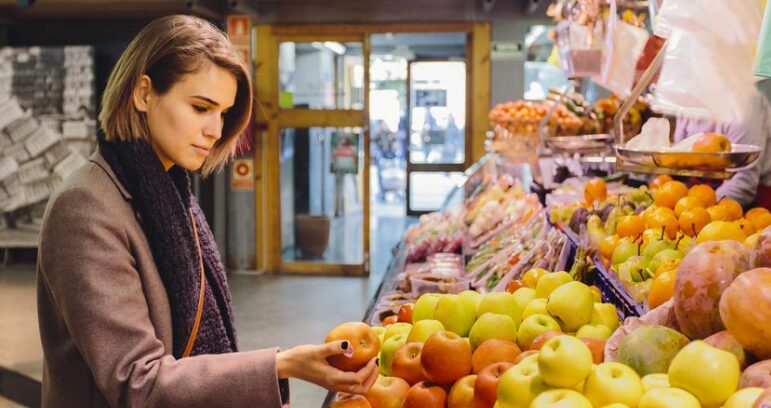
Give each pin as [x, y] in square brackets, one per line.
[105, 321]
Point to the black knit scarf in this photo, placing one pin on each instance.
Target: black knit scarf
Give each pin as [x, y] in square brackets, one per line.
[162, 200]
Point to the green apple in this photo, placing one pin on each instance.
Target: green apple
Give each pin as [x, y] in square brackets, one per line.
[650, 349]
[564, 361]
[710, 374]
[492, 326]
[657, 380]
[606, 315]
[388, 350]
[523, 296]
[633, 270]
[624, 250]
[572, 305]
[536, 306]
[744, 398]
[502, 303]
[591, 331]
[396, 328]
[561, 398]
[519, 385]
[654, 247]
[613, 382]
[424, 307]
[532, 327]
[668, 398]
[456, 314]
[380, 330]
[547, 283]
[471, 295]
[423, 329]
[663, 257]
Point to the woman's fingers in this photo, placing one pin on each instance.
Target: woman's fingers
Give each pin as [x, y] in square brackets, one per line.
[334, 348]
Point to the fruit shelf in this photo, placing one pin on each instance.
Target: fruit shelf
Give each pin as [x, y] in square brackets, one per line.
[613, 292]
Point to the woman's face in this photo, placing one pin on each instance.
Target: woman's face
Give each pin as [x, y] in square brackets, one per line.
[187, 120]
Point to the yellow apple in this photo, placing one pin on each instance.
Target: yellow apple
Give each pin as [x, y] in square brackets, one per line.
[423, 329]
[606, 315]
[396, 328]
[589, 331]
[561, 398]
[523, 296]
[519, 385]
[492, 326]
[572, 305]
[550, 281]
[532, 327]
[457, 314]
[502, 303]
[536, 306]
[657, 380]
[668, 398]
[564, 361]
[424, 307]
[710, 374]
[388, 350]
[380, 330]
[462, 393]
[471, 295]
[613, 382]
[743, 398]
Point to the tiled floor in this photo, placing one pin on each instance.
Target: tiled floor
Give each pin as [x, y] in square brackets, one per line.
[282, 311]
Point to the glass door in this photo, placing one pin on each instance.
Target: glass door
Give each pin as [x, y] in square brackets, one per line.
[437, 132]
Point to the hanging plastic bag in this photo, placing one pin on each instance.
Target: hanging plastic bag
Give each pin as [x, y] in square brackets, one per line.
[763, 58]
[578, 56]
[624, 43]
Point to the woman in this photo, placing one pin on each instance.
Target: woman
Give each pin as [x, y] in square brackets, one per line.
[133, 304]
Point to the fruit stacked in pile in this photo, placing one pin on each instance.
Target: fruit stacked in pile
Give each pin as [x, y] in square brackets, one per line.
[518, 116]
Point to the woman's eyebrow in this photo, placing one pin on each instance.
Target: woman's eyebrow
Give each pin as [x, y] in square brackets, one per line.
[211, 101]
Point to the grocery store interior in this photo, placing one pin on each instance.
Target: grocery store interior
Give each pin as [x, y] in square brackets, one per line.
[508, 170]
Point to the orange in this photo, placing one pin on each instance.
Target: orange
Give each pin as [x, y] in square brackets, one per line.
[721, 231]
[608, 245]
[733, 208]
[662, 287]
[595, 190]
[630, 226]
[718, 213]
[747, 227]
[755, 212]
[666, 221]
[669, 194]
[686, 203]
[658, 211]
[530, 278]
[760, 222]
[693, 220]
[704, 193]
[648, 212]
[659, 181]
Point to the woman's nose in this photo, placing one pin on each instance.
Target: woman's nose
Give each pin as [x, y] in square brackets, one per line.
[213, 127]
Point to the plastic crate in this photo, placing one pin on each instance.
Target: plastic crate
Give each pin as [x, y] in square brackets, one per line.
[613, 292]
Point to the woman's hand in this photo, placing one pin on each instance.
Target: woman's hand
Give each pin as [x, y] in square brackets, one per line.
[309, 363]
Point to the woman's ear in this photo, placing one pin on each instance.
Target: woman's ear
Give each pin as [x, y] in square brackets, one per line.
[142, 93]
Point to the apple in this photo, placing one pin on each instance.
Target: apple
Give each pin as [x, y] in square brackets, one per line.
[536, 306]
[589, 331]
[486, 384]
[492, 326]
[564, 362]
[597, 347]
[387, 392]
[519, 385]
[445, 358]
[657, 380]
[362, 338]
[743, 398]
[388, 350]
[349, 401]
[493, 351]
[663, 257]
[471, 295]
[457, 314]
[380, 330]
[397, 328]
[654, 247]
[531, 277]
[757, 375]
[405, 313]
[650, 349]
[532, 327]
[423, 329]
[502, 303]
[550, 281]
[389, 320]
[668, 398]
[424, 307]
[725, 341]
[561, 398]
[710, 374]
[462, 393]
[529, 354]
[606, 315]
[613, 382]
[425, 395]
[572, 305]
[513, 285]
[542, 338]
[624, 250]
[406, 363]
[523, 296]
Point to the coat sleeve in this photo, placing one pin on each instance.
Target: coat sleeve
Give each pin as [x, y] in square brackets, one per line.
[87, 264]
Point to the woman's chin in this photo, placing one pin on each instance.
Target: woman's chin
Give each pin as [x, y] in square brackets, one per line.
[190, 164]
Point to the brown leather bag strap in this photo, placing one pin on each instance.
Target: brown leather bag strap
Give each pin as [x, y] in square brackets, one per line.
[197, 324]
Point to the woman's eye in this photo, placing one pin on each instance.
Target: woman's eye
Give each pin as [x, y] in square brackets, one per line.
[199, 108]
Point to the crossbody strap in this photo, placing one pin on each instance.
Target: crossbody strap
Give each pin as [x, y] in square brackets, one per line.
[197, 324]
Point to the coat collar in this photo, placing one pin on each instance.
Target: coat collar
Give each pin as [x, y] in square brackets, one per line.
[99, 160]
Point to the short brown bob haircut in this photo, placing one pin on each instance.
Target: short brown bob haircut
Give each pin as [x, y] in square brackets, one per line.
[165, 50]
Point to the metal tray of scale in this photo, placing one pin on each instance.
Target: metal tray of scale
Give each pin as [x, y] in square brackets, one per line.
[579, 144]
[740, 156]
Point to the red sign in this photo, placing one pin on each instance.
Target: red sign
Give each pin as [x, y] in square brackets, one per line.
[242, 176]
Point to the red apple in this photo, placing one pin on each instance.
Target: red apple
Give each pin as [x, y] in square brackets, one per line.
[493, 351]
[462, 393]
[405, 313]
[543, 338]
[406, 363]
[725, 341]
[514, 285]
[349, 401]
[523, 355]
[756, 375]
[597, 347]
[390, 320]
[445, 358]
[425, 395]
[362, 338]
[387, 392]
[486, 385]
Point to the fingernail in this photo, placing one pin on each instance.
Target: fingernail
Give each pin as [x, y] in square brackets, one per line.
[344, 345]
[377, 362]
[348, 353]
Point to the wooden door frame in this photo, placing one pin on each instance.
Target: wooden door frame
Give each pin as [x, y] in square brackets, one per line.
[270, 119]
